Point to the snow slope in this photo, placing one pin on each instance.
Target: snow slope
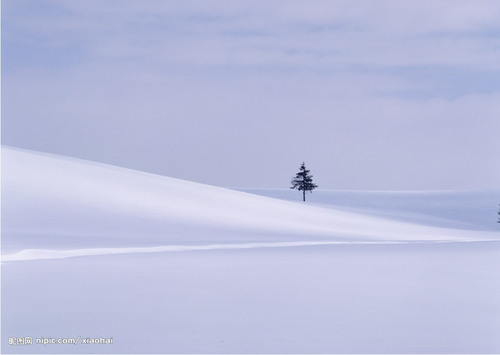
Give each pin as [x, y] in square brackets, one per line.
[170, 266]
[51, 203]
[462, 209]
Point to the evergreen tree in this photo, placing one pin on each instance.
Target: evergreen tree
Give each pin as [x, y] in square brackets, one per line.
[499, 216]
[303, 181]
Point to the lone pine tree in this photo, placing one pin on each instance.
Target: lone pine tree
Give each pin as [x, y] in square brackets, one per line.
[303, 181]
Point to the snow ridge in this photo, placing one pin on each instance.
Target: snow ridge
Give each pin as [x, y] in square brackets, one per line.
[51, 203]
[40, 254]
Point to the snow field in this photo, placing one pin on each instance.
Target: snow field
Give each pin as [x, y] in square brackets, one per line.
[406, 298]
[169, 266]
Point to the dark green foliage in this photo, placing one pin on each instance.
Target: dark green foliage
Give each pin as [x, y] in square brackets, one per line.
[303, 181]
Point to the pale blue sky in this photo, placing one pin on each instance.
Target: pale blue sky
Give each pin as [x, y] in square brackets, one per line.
[370, 94]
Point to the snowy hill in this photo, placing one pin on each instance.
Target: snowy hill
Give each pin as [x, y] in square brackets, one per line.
[53, 202]
[170, 266]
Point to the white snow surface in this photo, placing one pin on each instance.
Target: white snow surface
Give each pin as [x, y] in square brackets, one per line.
[169, 266]
[53, 203]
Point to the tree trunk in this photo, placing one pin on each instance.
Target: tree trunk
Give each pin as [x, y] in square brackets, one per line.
[304, 195]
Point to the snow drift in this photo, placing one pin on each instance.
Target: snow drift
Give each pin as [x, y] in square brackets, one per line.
[52, 202]
[169, 266]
